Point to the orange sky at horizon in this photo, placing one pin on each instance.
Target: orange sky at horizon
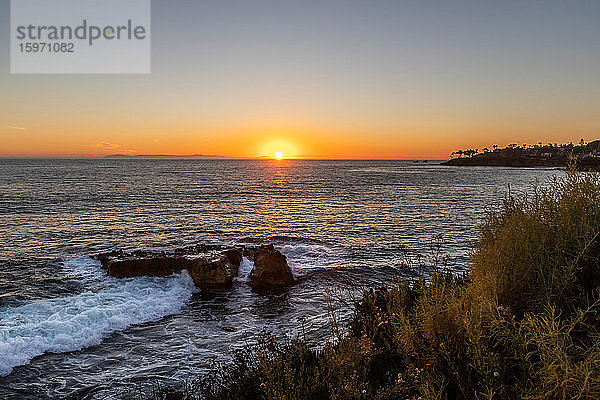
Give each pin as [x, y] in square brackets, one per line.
[32, 140]
[351, 79]
[22, 141]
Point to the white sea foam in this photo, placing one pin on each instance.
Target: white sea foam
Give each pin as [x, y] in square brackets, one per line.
[303, 257]
[246, 267]
[86, 270]
[72, 323]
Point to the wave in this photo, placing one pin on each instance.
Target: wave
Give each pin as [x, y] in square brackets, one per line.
[71, 323]
[303, 257]
[304, 254]
[245, 268]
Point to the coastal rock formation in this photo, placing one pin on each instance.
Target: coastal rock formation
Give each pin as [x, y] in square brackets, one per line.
[217, 272]
[208, 266]
[270, 269]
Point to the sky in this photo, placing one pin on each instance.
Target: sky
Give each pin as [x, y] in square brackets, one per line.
[323, 79]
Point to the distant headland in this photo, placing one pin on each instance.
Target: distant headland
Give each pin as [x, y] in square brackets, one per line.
[164, 156]
[586, 155]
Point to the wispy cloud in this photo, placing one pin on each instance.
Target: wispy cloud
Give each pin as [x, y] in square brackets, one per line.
[106, 145]
[18, 128]
[156, 140]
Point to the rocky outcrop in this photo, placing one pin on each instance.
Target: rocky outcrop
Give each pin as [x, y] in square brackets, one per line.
[208, 266]
[270, 269]
[217, 272]
[150, 266]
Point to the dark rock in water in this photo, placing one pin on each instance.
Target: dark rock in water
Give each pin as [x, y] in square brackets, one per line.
[250, 252]
[211, 267]
[105, 258]
[270, 269]
[208, 266]
[211, 273]
[234, 256]
[138, 264]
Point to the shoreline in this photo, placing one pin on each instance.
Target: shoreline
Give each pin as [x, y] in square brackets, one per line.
[482, 160]
[585, 156]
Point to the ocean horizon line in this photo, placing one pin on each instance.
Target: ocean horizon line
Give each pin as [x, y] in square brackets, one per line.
[174, 157]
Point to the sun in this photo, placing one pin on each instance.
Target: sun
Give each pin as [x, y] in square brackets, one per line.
[278, 155]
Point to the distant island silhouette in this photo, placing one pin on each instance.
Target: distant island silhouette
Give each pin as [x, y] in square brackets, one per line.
[586, 156]
[165, 156]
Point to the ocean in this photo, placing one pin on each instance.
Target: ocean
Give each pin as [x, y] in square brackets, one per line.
[67, 330]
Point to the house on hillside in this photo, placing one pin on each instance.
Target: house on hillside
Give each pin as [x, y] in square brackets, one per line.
[592, 149]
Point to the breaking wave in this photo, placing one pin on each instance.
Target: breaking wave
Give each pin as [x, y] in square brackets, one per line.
[107, 305]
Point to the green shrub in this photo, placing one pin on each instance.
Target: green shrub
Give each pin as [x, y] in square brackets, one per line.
[542, 249]
[552, 364]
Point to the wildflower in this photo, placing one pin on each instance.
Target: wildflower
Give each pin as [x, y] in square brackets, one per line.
[496, 374]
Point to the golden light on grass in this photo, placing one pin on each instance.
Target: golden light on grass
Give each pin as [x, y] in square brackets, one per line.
[278, 155]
